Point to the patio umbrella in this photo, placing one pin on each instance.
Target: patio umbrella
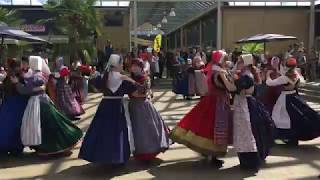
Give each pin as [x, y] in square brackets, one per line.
[263, 38]
[14, 33]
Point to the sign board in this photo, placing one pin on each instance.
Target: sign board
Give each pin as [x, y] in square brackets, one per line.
[33, 28]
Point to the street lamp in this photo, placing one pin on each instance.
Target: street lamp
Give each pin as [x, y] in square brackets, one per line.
[172, 13]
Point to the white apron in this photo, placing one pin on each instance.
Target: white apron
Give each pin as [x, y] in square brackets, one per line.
[31, 124]
[280, 114]
[243, 139]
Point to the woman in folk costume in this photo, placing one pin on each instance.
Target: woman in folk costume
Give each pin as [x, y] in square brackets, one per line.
[10, 140]
[149, 131]
[181, 82]
[106, 140]
[197, 78]
[272, 93]
[85, 72]
[43, 127]
[76, 82]
[252, 125]
[207, 127]
[293, 118]
[65, 99]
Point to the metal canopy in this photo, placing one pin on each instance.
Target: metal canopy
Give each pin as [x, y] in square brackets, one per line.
[153, 12]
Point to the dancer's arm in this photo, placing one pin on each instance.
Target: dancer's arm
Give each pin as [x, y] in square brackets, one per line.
[276, 82]
[229, 85]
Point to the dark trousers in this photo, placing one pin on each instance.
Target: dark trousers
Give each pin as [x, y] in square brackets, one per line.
[161, 67]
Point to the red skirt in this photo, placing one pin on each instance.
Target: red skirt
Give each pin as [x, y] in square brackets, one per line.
[196, 129]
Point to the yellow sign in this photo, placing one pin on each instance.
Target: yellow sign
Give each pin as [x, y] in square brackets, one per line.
[157, 43]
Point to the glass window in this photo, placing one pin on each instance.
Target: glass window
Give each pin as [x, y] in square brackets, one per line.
[303, 3]
[257, 3]
[241, 3]
[273, 3]
[38, 2]
[110, 3]
[20, 2]
[124, 3]
[289, 3]
[5, 2]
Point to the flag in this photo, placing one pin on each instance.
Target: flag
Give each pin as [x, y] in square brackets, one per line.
[157, 43]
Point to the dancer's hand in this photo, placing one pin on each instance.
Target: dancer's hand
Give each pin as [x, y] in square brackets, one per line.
[14, 79]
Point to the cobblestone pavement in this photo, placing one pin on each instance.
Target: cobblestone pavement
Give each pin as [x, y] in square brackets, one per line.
[178, 163]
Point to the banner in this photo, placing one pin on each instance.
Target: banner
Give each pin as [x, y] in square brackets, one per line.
[157, 43]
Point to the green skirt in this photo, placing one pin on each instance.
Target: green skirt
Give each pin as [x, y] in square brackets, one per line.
[58, 133]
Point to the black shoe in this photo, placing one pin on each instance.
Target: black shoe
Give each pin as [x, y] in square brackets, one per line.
[216, 162]
[75, 118]
[293, 143]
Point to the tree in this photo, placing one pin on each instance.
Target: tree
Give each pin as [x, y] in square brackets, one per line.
[79, 20]
[10, 17]
[253, 48]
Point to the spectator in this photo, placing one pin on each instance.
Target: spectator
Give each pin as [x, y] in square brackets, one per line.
[108, 50]
[162, 61]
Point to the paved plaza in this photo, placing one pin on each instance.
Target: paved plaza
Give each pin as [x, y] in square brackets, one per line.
[178, 163]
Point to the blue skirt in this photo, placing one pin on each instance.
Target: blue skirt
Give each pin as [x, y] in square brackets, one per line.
[11, 113]
[305, 122]
[106, 141]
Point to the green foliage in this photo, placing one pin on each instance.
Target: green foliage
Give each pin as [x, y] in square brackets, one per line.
[10, 17]
[79, 20]
[253, 48]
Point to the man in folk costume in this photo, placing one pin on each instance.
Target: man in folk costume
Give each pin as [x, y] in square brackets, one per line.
[206, 129]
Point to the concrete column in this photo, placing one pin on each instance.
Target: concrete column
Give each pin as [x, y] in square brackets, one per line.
[135, 22]
[311, 26]
[175, 40]
[181, 38]
[130, 27]
[219, 25]
[200, 33]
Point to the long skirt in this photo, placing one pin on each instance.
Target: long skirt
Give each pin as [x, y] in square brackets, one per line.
[51, 90]
[66, 101]
[10, 120]
[106, 141]
[85, 88]
[59, 134]
[202, 131]
[77, 87]
[253, 131]
[198, 83]
[302, 123]
[149, 131]
[181, 84]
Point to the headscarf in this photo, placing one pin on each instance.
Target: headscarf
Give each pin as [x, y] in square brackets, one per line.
[59, 63]
[35, 63]
[218, 56]
[114, 78]
[247, 59]
[275, 62]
